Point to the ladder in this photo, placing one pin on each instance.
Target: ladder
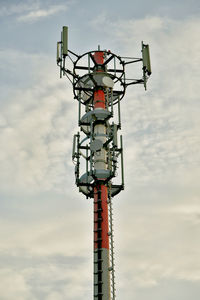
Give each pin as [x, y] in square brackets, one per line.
[111, 240]
[98, 252]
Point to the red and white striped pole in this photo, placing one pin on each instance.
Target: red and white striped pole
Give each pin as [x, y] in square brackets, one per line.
[101, 226]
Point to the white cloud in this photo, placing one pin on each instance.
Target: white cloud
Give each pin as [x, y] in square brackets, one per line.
[156, 244]
[41, 13]
[13, 285]
[31, 11]
[36, 133]
[46, 257]
[44, 278]
[161, 135]
[12, 9]
[162, 127]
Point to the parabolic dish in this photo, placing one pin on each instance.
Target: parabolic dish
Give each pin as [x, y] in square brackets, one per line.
[108, 82]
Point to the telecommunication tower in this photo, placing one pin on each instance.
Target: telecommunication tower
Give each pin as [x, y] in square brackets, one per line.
[99, 83]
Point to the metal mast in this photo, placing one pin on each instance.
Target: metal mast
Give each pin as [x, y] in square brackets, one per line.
[99, 83]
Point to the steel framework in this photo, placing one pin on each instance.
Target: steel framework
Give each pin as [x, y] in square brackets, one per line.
[99, 84]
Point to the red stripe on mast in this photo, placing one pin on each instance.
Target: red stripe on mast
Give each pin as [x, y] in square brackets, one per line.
[99, 102]
[99, 57]
[99, 99]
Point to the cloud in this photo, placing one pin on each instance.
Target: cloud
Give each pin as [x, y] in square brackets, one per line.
[31, 11]
[12, 9]
[41, 13]
[36, 132]
[163, 137]
[157, 216]
[17, 285]
[41, 254]
[44, 278]
[156, 244]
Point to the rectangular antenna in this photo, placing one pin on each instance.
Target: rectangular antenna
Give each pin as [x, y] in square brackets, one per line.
[115, 135]
[58, 52]
[146, 59]
[65, 41]
[74, 146]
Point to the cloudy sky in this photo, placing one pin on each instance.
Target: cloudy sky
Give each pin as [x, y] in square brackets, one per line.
[46, 225]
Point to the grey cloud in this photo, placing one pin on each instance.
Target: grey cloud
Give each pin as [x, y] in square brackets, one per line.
[36, 277]
[22, 260]
[168, 289]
